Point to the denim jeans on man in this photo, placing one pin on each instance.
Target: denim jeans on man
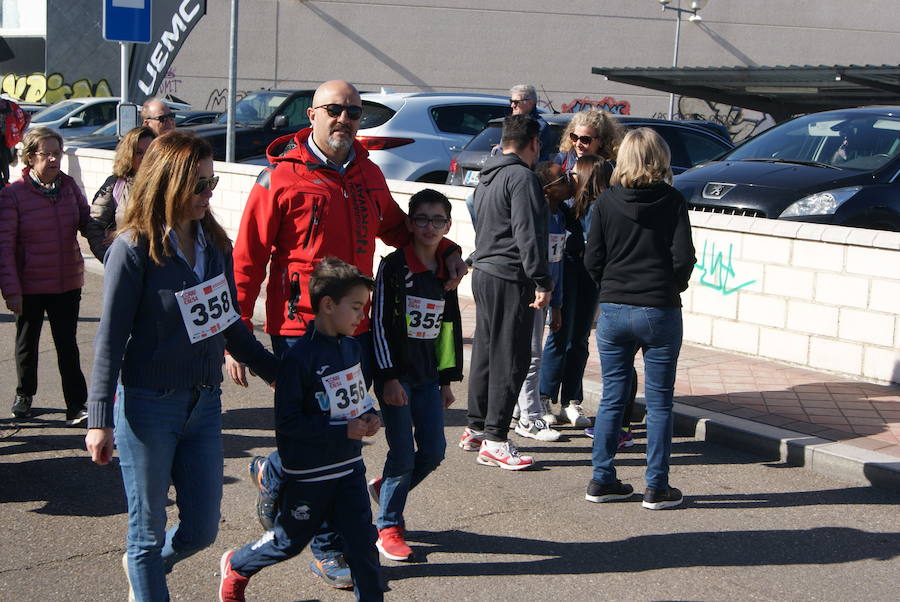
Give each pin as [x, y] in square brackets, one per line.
[168, 437]
[621, 331]
[566, 350]
[415, 436]
[327, 543]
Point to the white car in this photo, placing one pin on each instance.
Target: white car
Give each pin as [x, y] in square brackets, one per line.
[413, 135]
[81, 116]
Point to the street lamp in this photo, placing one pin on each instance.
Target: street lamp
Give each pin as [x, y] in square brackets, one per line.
[696, 5]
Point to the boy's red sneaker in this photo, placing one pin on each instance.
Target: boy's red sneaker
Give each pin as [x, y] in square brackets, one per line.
[231, 585]
[391, 544]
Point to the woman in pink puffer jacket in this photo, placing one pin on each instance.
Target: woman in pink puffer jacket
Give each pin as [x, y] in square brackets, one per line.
[41, 268]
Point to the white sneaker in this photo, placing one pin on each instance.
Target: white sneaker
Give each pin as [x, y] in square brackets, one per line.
[505, 455]
[547, 414]
[131, 597]
[536, 429]
[576, 415]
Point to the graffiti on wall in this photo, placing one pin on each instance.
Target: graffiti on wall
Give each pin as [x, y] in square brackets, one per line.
[717, 269]
[169, 83]
[50, 89]
[218, 98]
[741, 123]
[608, 104]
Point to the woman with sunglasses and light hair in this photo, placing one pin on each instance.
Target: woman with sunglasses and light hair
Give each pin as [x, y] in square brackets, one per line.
[108, 205]
[41, 268]
[641, 255]
[168, 316]
[590, 132]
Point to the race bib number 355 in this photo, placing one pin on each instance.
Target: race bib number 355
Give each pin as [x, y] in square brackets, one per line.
[423, 317]
[346, 391]
[206, 309]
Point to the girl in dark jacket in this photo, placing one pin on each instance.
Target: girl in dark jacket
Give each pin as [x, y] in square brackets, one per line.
[641, 255]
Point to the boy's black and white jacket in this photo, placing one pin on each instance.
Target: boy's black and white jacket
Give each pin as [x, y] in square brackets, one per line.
[403, 283]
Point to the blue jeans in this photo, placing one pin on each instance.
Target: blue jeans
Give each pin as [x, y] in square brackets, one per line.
[566, 350]
[327, 543]
[415, 436]
[168, 437]
[621, 331]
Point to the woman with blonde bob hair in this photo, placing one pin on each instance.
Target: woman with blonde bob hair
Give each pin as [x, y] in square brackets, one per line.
[168, 317]
[108, 206]
[590, 132]
[641, 255]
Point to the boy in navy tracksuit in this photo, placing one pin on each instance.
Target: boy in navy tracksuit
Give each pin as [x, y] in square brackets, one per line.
[322, 412]
[417, 337]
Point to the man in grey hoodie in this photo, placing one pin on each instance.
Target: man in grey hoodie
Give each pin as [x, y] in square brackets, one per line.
[512, 279]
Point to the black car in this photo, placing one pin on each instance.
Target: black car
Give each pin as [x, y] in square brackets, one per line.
[838, 167]
[105, 136]
[691, 143]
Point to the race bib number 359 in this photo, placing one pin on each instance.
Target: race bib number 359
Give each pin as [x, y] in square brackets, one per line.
[206, 309]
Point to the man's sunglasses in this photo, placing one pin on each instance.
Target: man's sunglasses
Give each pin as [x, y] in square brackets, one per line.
[422, 221]
[354, 112]
[516, 101]
[162, 118]
[582, 139]
[204, 184]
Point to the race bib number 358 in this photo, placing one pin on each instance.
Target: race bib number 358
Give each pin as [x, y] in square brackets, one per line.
[206, 309]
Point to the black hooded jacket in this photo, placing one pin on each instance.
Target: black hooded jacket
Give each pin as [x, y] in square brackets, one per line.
[639, 248]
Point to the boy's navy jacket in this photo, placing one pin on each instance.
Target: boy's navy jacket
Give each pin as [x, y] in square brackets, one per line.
[142, 334]
[314, 447]
[397, 355]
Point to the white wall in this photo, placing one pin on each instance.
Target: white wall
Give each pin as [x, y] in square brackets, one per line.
[824, 297]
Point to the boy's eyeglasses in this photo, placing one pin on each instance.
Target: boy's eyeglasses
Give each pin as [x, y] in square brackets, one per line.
[354, 112]
[162, 118]
[582, 139]
[422, 221]
[204, 184]
[566, 176]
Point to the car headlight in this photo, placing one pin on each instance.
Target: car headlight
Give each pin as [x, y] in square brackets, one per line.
[821, 203]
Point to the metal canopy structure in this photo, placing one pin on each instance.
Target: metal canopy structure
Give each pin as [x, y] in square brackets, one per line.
[781, 91]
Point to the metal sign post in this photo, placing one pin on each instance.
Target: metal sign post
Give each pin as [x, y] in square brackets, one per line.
[126, 22]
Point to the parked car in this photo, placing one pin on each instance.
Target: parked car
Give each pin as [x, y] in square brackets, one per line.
[260, 118]
[691, 143]
[105, 136]
[76, 116]
[838, 167]
[413, 136]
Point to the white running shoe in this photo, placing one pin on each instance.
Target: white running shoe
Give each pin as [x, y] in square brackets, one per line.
[505, 455]
[471, 440]
[576, 415]
[536, 429]
[547, 414]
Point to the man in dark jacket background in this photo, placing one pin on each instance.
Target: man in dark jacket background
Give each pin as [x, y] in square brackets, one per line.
[511, 279]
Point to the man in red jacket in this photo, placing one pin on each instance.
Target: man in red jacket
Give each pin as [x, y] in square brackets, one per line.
[321, 196]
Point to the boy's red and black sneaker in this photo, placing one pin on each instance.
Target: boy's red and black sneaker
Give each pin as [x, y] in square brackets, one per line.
[392, 545]
[374, 487]
[231, 585]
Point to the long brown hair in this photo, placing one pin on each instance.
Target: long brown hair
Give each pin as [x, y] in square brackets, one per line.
[164, 190]
[604, 124]
[126, 148]
[593, 178]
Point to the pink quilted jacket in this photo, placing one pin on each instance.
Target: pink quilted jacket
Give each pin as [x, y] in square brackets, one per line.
[38, 250]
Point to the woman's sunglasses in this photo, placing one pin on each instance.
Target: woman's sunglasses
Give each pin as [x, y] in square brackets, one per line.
[204, 184]
[354, 112]
[582, 139]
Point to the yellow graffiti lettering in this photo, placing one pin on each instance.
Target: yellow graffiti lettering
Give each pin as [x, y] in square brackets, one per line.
[50, 89]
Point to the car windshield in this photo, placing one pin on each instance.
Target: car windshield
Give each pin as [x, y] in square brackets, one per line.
[54, 112]
[836, 140]
[105, 130]
[255, 108]
[487, 139]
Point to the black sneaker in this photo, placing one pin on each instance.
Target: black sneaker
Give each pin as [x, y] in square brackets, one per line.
[658, 499]
[265, 505]
[78, 418]
[21, 407]
[608, 493]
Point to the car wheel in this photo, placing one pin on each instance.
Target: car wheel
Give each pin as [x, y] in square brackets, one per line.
[434, 177]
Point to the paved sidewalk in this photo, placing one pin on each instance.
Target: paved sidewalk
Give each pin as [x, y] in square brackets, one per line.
[846, 428]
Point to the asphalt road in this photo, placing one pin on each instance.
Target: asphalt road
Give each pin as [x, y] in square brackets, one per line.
[750, 529]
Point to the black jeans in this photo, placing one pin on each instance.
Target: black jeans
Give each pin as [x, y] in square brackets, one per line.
[501, 351]
[62, 312]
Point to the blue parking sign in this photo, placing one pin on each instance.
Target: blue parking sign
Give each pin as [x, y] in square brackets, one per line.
[126, 20]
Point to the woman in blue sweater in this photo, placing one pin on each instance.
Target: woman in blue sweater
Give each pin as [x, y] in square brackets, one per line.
[168, 316]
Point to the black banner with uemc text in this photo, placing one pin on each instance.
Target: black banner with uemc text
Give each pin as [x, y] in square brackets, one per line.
[172, 21]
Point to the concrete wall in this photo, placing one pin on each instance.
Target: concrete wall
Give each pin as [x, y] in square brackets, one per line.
[825, 297]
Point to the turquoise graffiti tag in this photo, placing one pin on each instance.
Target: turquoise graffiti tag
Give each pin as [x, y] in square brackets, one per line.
[717, 270]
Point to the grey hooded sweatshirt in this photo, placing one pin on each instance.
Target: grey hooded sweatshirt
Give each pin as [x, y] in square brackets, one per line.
[512, 217]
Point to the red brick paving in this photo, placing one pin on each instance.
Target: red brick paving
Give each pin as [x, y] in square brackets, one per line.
[833, 407]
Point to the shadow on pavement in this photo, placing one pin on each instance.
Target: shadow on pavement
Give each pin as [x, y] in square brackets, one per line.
[826, 545]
